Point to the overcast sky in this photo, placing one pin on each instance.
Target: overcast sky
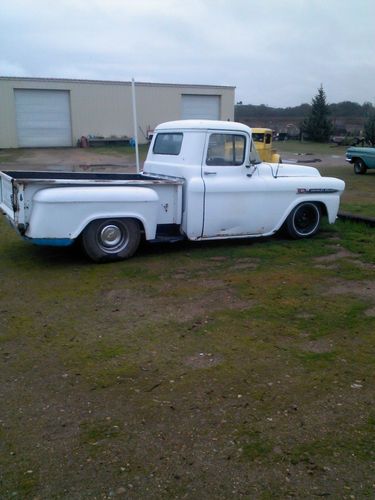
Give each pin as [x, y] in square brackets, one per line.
[275, 52]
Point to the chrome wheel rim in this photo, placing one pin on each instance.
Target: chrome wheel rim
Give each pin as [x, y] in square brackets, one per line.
[112, 237]
[306, 219]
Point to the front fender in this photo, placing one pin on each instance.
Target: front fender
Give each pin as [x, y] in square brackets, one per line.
[64, 212]
[331, 204]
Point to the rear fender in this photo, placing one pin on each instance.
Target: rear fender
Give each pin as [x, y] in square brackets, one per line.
[64, 212]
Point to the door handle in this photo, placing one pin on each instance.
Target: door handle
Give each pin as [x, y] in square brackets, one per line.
[210, 173]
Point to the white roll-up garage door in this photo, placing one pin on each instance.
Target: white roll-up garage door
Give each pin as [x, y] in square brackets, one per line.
[43, 118]
[205, 107]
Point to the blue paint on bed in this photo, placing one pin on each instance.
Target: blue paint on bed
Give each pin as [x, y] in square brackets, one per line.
[51, 242]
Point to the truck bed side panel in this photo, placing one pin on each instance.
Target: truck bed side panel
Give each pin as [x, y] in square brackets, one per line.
[62, 213]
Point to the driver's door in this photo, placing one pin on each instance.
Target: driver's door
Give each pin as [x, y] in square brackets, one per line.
[234, 202]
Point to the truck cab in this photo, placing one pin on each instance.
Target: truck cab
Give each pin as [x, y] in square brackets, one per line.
[262, 138]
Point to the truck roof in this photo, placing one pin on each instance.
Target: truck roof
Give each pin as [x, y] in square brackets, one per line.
[203, 125]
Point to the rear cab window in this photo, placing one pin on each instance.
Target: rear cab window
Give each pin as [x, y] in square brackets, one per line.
[226, 150]
[168, 143]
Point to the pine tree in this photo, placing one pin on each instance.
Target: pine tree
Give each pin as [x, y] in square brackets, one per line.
[317, 125]
[369, 129]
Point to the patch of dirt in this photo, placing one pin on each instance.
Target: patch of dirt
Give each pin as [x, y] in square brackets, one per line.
[203, 360]
[308, 158]
[213, 296]
[361, 289]
[317, 346]
[305, 315]
[341, 253]
[370, 312]
[328, 266]
[218, 259]
[246, 263]
[330, 261]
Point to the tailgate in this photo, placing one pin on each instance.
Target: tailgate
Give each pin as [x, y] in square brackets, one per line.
[10, 198]
[6, 195]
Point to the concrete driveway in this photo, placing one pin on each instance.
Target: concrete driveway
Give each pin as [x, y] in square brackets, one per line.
[67, 159]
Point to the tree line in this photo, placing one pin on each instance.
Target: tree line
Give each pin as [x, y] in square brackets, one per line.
[344, 109]
[315, 119]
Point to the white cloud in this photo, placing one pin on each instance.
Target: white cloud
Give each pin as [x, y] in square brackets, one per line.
[274, 52]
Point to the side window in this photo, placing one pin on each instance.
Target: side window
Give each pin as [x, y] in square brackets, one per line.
[268, 138]
[226, 150]
[168, 144]
[258, 137]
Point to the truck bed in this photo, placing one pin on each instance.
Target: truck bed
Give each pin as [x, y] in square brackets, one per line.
[18, 188]
[24, 176]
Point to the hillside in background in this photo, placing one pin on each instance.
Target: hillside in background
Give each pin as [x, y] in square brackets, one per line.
[347, 117]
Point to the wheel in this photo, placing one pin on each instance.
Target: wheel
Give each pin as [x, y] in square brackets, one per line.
[304, 220]
[108, 240]
[359, 167]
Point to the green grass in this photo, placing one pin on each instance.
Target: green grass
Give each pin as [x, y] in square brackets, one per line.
[119, 150]
[194, 369]
[307, 147]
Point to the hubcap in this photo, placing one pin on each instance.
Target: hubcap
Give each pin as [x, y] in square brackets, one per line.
[110, 236]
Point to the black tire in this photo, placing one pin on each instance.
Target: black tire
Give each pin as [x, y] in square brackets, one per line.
[359, 167]
[108, 240]
[304, 220]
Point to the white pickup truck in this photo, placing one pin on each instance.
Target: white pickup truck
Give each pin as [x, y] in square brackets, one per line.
[202, 180]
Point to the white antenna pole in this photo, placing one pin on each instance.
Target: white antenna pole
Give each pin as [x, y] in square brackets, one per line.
[135, 126]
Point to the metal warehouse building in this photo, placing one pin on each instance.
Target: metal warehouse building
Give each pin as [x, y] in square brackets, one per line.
[51, 112]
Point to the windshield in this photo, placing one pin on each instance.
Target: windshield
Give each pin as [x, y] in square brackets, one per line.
[258, 136]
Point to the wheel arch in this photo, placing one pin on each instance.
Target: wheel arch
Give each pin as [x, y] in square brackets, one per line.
[324, 210]
[136, 217]
[291, 221]
[358, 158]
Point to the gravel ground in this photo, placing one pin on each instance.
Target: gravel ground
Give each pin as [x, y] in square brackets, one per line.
[67, 159]
[75, 159]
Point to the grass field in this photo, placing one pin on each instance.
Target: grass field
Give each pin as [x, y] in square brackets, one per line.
[221, 370]
[120, 150]
[308, 147]
[208, 370]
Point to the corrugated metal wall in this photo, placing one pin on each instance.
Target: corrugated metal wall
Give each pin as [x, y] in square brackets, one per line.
[105, 108]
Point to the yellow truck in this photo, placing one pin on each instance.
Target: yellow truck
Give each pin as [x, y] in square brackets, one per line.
[262, 138]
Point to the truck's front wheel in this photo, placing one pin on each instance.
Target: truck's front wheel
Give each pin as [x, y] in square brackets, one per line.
[359, 167]
[108, 240]
[304, 220]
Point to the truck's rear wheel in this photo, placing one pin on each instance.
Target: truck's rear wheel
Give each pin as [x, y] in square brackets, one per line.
[304, 220]
[108, 240]
[359, 167]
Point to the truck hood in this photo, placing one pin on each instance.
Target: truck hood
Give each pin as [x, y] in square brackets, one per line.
[360, 150]
[283, 170]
